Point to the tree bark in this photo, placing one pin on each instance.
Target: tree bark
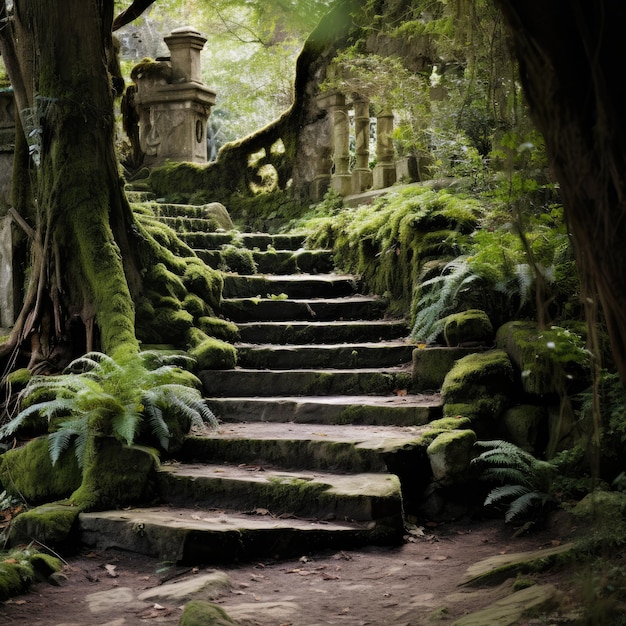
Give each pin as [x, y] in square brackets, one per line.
[571, 60]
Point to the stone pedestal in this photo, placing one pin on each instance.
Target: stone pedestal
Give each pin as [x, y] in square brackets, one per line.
[173, 112]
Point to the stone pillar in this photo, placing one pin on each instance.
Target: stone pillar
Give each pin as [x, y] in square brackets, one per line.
[7, 286]
[324, 153]
[341, 180]
[362, 175]
[174, 111]
[385, 170]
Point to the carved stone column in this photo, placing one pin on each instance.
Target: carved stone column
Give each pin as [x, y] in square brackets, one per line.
[362, 175]
[341, 180]
[385, 170]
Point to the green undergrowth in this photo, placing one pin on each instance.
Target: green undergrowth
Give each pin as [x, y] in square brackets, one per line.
[20, 568]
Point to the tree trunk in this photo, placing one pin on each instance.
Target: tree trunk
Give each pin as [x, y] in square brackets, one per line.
[571, 56]
[83, 267]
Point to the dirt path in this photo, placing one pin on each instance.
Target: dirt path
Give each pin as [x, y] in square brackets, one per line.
[413, 584]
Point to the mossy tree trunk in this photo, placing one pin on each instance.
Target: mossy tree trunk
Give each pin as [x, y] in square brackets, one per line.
[571, 61]
[84, 269]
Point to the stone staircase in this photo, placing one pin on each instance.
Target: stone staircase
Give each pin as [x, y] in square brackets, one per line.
[319, 442]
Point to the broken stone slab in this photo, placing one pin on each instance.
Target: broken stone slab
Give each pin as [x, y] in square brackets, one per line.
[497, 568]
[206, 586]
[511, 610]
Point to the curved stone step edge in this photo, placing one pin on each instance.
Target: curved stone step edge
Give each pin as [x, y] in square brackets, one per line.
[330, 410]
[194, 536]
[303, 493]
[244, 382]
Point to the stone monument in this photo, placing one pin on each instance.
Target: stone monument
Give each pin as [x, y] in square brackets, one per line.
[174, 109]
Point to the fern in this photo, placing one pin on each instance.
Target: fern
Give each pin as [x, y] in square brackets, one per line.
[524, 480]
[99, 395]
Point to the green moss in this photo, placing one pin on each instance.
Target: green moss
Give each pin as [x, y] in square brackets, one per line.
[238, 260]
[205, 282]
[115, 476]
[195, 305]
[166, 281]
[14, 579]
[472, 326]
[218, 328]
[27, 472]
[19, 377]
[209, 352]
[201, 613]
[551, 361]
[53, 524]
[450, 423]
[480, 387]
[172, 325]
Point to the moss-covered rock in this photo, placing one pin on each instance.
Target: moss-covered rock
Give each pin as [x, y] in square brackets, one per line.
[468, 327]
[525, 425]
[209, 352]
[450, 454]
[607, 504]
[217, 212]
[115, 476]
[27, 472]
[54, 524]
[432, 363]
[480, 386]
[218, 328]
[201, 613]
[551, 361]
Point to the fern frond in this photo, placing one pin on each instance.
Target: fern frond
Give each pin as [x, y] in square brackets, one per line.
[157, 424]
[504, 475]
[60, 439]
[505, 493]
[526, 504]
[124, 425]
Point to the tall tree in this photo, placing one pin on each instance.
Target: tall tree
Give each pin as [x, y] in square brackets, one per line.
[83, 265]
[570, 57]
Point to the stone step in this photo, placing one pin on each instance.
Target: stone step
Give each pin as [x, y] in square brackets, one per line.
[186, 224]
[137, 195]
[309, 446]
[320, 309]
[313, 494]
[297, 332]
[274, 262]
[382, 354]
[307, 382]
[203, 536]
[252, 241]
[292, 285]
[392, 409]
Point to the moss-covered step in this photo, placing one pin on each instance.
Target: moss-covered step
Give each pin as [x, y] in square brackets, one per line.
[306, 445]
[301, 332]
[381, 354]
[291, 285]
[320, 309]
[322, 495]
[252, 241]
[306, 382]
[245, 261]
[380, 410]
[196, 535]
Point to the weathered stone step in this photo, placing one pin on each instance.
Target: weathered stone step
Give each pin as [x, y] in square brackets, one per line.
[193, 536]
[251, 241]
[399, 410]
[321, 309]
[296, 332]
[274, 262]
[383, 354]
[292, 285]
[322, 495]
[306, 382]
[329, 447]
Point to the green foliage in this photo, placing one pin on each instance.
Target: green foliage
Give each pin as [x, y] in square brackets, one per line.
[525, 480]
[123, 399]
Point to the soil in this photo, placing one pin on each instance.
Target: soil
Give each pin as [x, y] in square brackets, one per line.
[416, 583]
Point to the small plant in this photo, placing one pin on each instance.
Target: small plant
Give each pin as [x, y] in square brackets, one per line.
[525, 480]
[125, 399]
